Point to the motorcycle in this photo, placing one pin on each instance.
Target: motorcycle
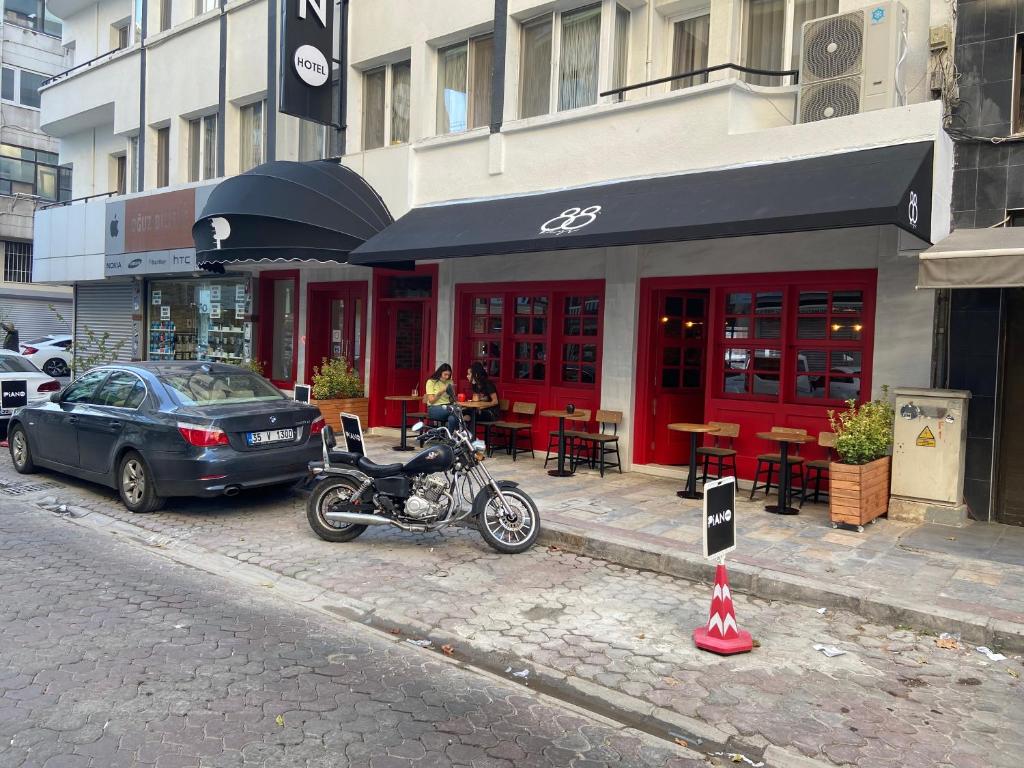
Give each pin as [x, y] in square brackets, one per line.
[446, 483]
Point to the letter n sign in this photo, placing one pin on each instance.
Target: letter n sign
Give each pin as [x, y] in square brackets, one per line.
[307, 40]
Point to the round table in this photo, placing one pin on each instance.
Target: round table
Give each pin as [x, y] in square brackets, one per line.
[784, 439]
[404, 400]
[474, 407]
[561, 416]
[690, 491]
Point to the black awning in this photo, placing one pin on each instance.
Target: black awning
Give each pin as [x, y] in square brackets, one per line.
[284, 211]
[891, 185]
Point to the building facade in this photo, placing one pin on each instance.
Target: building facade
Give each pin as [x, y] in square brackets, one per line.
[772, 280]
[31, 174]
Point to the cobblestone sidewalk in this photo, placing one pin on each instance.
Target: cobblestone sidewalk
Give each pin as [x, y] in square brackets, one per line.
[894, 697]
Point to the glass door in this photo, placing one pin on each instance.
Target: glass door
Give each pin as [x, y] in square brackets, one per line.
[337, 324]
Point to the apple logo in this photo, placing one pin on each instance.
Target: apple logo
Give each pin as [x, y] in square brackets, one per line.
[113, 227]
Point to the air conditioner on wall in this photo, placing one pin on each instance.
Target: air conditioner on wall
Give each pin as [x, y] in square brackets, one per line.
[853, 62]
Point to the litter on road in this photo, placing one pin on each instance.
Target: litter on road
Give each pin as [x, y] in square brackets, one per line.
[992, 655]
[829, 650]
[420, 643]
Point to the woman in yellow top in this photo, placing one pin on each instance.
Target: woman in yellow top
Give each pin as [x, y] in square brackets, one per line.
[440, 394]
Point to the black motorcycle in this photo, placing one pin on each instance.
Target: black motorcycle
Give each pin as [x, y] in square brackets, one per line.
[444, 484]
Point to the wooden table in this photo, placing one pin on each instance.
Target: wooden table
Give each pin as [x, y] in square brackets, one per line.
[690, 491]
[561, 416]
[474, 407]
[404, 400]
[784, 439]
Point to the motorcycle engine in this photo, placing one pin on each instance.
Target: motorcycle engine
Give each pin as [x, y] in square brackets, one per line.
[429, 499]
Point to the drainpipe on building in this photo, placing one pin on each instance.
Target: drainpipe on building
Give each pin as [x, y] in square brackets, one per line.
[141, 159]
[222, 88]
[271, 154]
[498, 77]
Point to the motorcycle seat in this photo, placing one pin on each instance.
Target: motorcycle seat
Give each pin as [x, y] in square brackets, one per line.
[343, 457]
[372, 469]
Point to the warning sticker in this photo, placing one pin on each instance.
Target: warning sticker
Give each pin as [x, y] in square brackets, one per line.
[926, 439]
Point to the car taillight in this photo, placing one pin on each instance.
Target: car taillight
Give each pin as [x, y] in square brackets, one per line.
[30, 351]
[49, 386]
[202, 437]
[317, 426]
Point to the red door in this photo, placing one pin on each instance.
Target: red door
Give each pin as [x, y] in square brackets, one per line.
[336, 326]
[406, 368]
[678, 363]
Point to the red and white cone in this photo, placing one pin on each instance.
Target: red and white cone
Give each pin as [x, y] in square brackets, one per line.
[721, 635]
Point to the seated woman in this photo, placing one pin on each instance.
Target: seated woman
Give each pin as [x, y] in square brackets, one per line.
[440, 394]
[484, 391]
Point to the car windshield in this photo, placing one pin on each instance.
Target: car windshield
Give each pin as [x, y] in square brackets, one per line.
[199, 387]
[15, 364]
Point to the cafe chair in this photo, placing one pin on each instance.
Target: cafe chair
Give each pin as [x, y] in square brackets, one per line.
[571, 436]
[722, 453]
[601, 445]
[767, 463]
[817, 470]
[513, 431]
[487, 426]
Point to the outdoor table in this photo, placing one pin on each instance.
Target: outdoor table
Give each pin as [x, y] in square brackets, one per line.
[690, 491]
[784, 439]
[474, 406]
[404, 400]
[561, 416]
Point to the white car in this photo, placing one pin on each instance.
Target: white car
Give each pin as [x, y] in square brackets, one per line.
[22, 383]
[50, 353]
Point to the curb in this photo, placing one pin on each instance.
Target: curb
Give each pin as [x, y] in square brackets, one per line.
[595, 701]
[770, 584]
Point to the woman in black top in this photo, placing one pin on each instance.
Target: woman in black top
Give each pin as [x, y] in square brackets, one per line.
[484, 391]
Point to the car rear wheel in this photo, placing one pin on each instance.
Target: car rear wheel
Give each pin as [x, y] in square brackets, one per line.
[56, 368]
[135, 485]
[21, 454]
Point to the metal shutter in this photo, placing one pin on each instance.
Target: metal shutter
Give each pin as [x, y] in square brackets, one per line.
[99, 309]
[33, 317]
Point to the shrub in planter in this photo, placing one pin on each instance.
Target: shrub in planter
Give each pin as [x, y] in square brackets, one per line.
[337, 388]
[859, 481]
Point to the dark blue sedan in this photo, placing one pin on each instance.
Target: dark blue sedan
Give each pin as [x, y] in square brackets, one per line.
[153, 430]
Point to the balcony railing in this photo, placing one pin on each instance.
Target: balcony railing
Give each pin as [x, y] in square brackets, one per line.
[83, 65]
[62, 203]
[794, 73]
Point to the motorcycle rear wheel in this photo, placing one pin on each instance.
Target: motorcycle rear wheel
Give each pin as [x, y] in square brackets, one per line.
[508, 536]
[335, 490]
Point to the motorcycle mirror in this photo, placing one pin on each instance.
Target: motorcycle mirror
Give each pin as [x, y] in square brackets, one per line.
[417, 426]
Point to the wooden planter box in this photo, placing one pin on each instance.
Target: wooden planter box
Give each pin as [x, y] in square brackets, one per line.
[858, 493]
[332, 410]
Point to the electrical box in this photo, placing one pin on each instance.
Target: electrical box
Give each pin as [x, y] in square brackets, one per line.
[929, 445]
[939, 38]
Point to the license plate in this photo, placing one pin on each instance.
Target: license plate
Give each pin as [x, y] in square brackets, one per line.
[273, 436]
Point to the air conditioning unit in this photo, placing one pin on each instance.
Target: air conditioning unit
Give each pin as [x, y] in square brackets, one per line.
[853, 62]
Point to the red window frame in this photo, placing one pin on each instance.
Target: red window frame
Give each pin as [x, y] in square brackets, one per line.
[844, 333]
[486, 331]
[531, 328]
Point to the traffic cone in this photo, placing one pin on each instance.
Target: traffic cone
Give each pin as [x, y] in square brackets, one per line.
[721, 635]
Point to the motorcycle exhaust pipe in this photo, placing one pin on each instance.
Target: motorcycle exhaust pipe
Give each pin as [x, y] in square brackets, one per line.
[355, 518]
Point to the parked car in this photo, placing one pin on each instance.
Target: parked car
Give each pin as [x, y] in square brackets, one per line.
[15, 368]
[50, 353]
[160, 429]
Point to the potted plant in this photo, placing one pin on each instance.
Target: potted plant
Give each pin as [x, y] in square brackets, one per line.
[859, 481]
[338, 389]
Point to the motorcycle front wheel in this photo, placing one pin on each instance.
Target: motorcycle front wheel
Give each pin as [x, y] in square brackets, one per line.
[507, 532]
[335, 490]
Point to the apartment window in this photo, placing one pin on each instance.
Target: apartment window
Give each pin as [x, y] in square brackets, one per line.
[579, 37]
[251, 138]
[122, 36]
[32, 14]
[464, 85]
[202, 148]
[69, 55]
[620, 52]
[133, 163]
[386, 92]
[165, 15]
[20, 86]
[27, 171]
[163, 156]
[312, 141]
[772, 30]
[121, 162]
[202, 6]
[17, 262]
[64, 176]
[690, 50]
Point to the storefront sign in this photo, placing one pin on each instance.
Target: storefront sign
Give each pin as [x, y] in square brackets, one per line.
[152, 263]
[719, 517]
[13, 394]
[307, 37]
[159, 222]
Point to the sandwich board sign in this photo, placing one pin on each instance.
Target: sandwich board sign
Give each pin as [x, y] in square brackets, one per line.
[353, 431]
[13, 394]
[719, 517]
[302, 393]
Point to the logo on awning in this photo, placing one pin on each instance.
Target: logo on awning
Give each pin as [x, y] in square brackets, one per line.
[571, 220]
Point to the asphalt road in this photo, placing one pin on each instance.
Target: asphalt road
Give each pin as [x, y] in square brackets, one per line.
[112, 656]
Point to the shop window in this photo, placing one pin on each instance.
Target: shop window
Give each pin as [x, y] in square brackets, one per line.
[682, 342]
[829, 334]
[282, 348]
[487, 325]
[464, 85]
[529, 335]
[690, 50]
[580, 342]
[772, 31]
[200, 320]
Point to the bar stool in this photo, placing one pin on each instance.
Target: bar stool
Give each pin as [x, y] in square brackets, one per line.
[817, 470]
[766, 463]
[724, 456]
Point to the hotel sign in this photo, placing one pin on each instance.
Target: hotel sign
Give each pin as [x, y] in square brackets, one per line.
[307, 39]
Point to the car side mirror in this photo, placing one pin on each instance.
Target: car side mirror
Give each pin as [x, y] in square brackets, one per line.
[55, 397]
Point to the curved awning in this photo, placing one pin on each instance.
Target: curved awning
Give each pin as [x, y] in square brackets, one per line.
[288, 211]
